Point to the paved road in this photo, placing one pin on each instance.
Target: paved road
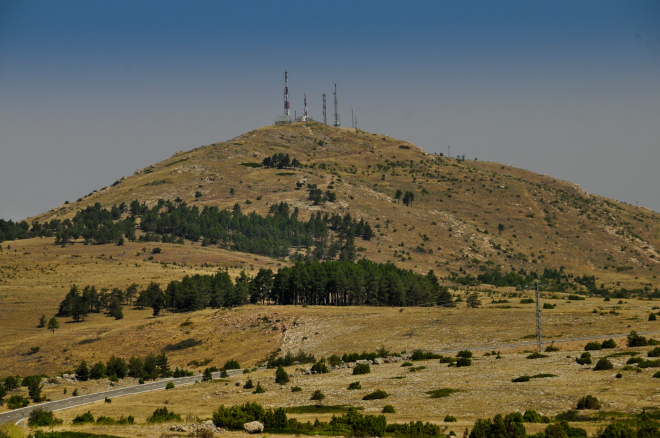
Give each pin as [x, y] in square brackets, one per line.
[19, 414]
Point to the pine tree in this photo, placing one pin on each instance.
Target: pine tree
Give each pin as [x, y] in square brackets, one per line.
[42, 321]
[53, 324]
[82, 372]
[281, 376]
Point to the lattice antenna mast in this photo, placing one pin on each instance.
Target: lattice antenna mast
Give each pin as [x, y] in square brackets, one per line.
[305, 106]
[539, 331]
[336, 108]
[287, 104]
[325, 119]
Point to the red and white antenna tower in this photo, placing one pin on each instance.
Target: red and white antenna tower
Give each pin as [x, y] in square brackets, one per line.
[287, 104]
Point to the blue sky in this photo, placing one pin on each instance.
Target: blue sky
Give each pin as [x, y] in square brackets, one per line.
[92, 91]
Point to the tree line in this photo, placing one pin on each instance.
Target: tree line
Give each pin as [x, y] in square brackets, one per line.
[273, 235]
[336, 283]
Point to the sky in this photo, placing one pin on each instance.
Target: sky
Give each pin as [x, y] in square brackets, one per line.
[91, 91]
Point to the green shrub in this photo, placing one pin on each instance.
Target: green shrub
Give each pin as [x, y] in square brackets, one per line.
[106, 421]
[318, 395]
[618, 430]
[634, 360]
[334, 360]
[603, 364]
[536, 356]
[320, 367]
[388, 409]
[449, 360]
[562, 429]
[169, 385]
[593, 346]
[231, 364]
[17, 401]
[281, 376]
[407, 364]
[464, 353]
[234, 417]
[635, 340]
[42, 417]
[352, 423]
[424, 355]
[450, 419]
[162, 415]
[354, 385]
[464, 362]
[526, 301]
[531, 416]
[588, 402]
[296, 389]
[652, 317]
[128, 420]
[87, 417]
[655, 352]
[259, 389]
[584, 359]
[108, 400]
[551, 348]
[414, 429]
[376, 395]
[361, 368]
[548, 306]
[657, 375]
[609, 344]
[248, 384]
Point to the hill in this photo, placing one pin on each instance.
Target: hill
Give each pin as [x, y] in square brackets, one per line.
[466, 216]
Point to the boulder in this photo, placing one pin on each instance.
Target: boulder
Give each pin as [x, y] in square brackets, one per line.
[379, 361]
[253, 427]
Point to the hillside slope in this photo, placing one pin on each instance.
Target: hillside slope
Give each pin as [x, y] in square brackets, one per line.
[454, 218]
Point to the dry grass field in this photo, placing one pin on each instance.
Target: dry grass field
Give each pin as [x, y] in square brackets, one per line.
[454, 220]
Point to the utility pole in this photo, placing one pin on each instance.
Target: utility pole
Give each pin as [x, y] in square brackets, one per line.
[352, 119]
[539, 331]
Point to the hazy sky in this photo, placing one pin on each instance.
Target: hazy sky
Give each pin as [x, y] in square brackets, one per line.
[92, 90]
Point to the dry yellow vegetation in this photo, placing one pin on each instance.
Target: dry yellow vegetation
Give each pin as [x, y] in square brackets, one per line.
[547, 223]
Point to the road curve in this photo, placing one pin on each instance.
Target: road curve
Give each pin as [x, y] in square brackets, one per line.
[19, 414]
[71, 402]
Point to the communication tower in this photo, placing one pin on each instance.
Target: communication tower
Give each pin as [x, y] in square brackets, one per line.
[336, 108]
[304, 116]
[287, 104]
[325, 119]
[286, 118]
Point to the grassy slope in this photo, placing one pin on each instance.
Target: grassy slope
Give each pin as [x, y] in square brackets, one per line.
[569, 227]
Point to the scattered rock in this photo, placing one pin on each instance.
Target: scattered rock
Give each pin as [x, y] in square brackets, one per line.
[253, 427]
